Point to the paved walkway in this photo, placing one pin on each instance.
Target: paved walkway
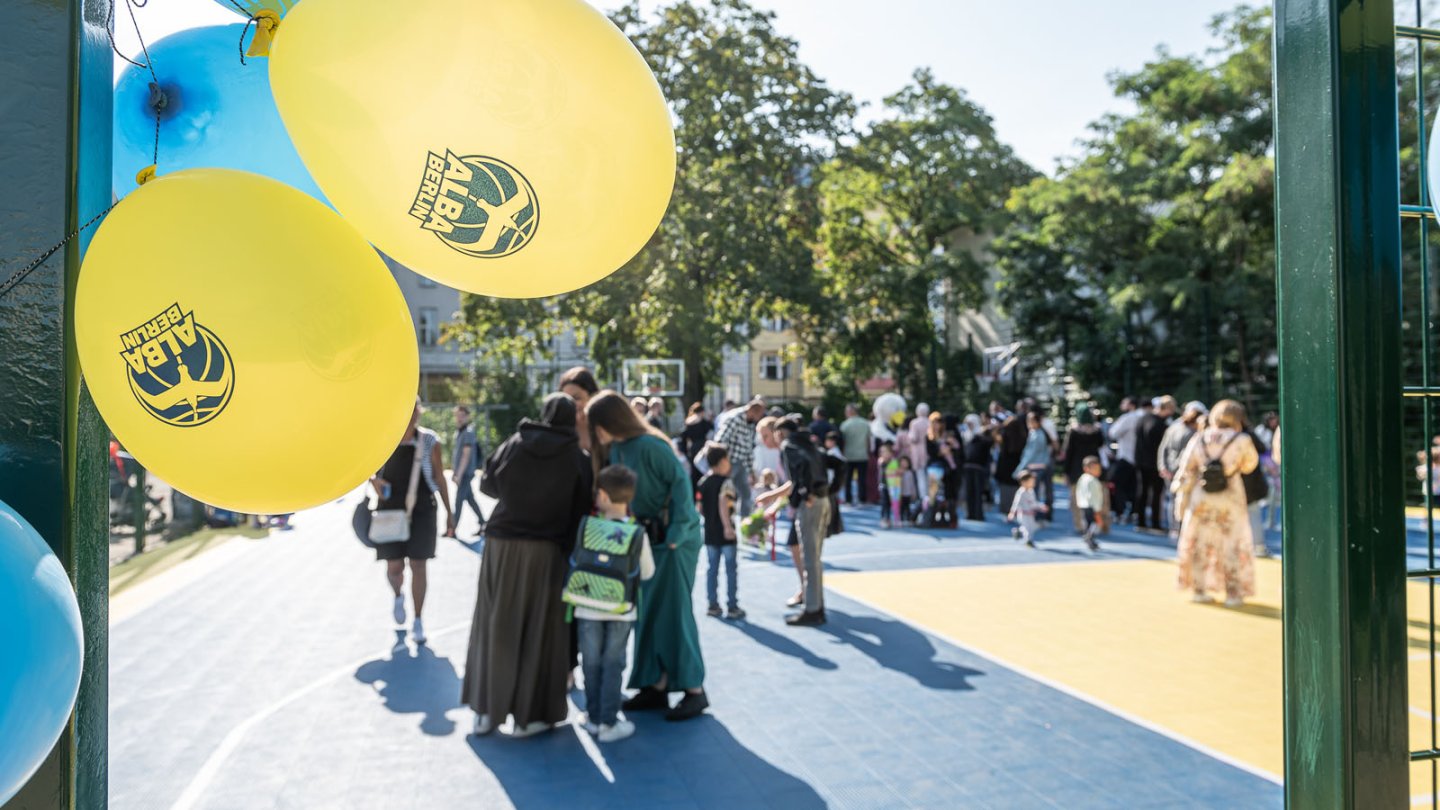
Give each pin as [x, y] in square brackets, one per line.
[278, 680]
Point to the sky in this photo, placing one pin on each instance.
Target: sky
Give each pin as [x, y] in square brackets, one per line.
[1039, 67]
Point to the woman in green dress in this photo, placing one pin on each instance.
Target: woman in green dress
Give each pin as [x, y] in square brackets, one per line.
[667, 642]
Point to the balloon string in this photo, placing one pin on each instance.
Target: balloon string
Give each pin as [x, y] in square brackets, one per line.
[130, 5]
[243, 31]
[110, 32]
[19, 275]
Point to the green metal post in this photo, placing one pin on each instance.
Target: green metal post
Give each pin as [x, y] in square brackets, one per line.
[1337, 181]
[55, 174]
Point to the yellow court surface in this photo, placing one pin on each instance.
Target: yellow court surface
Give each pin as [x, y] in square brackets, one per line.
[1120, 634]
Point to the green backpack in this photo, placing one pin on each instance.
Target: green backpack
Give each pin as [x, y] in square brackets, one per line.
[605, 566]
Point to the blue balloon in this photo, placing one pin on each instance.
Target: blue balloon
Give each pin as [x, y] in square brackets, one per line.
[214, 112]
[41, 651]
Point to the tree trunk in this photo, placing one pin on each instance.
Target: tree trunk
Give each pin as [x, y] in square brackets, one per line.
[694, 378]
[1247, 383]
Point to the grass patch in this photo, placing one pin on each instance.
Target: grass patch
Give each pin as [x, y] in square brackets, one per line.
[141, 567]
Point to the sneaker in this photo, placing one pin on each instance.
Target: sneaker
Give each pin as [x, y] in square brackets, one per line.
[417, 631]
[884, 523]
[1234, 602]
[617, 732]
[530, 730]
[735, 613]
[483, 725]
[586, 723]
[400, 610]
[1201, 599]
[1015, 532]
[796, 600]
[806, 619]
[692, 705]
[647, 698]
[1030, 544]
[713, 610]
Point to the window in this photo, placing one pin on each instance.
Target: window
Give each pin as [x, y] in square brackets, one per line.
[425, 281]
[775, 324]
[428, 326]
[732, 388]
[771, 368]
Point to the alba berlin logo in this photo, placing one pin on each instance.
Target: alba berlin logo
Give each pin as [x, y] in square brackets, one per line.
[180, 372]
[480, 206]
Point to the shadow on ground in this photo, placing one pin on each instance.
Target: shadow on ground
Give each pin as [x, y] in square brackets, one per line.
[664, 764]
[782, 644]
[415, 682]
[898, 646]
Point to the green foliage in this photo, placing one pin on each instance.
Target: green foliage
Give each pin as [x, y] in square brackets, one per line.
[927, 175]
[752, 122]
[1149, 261]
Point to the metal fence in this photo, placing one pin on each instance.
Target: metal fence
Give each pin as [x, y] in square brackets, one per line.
[1415, 45]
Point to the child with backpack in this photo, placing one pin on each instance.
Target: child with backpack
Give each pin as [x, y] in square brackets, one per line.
[717, 503]
[612, 555]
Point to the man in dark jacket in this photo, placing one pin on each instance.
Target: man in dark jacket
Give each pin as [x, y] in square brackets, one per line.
[809, 493]
[1150, 434]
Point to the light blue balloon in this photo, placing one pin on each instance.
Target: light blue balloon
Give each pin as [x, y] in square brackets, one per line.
[217, 112]
[41, 651]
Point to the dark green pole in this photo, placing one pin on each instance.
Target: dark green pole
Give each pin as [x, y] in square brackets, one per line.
[55, 174]
[1337, 190]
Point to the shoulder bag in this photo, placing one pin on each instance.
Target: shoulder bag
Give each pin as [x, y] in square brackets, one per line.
[393, 525]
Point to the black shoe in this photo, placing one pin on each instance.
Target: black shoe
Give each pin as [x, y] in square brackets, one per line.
[713, 610]
[692, 705]
[646, 699]
[807, 619]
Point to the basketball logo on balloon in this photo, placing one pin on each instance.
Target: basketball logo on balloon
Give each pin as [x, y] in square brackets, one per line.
[479, 206]
[180, 372]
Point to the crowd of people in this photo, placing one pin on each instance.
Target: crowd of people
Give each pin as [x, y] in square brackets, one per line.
[601, 515]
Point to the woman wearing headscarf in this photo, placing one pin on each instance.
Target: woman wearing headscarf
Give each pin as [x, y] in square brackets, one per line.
[1083, 439]
[667, 642]
[518, 642]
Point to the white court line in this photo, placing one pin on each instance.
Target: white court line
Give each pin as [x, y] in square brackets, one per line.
[1097, 703]
[207, 773]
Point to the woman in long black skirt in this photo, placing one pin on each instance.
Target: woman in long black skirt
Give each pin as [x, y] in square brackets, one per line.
[518, 642]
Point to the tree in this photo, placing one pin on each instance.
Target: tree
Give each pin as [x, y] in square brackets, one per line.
[894, 203]
[1151, 257]
[752, 124]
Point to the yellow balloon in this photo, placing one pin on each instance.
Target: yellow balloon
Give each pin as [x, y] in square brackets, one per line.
[243, 342]
[517, 149]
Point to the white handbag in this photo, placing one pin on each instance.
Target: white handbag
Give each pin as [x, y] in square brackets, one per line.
[393, 525]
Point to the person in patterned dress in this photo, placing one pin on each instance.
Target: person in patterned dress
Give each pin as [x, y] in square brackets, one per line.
[1215, 551]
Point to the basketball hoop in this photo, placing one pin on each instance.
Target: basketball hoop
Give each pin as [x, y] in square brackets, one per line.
[652, 377]
[983, 382]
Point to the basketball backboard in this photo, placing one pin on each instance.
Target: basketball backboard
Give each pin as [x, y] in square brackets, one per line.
[652, 377]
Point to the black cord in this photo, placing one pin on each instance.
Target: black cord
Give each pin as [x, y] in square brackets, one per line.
[110, 32]
[243, 31]
[143, 48]
[19, 275]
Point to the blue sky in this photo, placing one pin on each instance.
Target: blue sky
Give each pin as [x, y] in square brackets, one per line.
[1037, 67]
